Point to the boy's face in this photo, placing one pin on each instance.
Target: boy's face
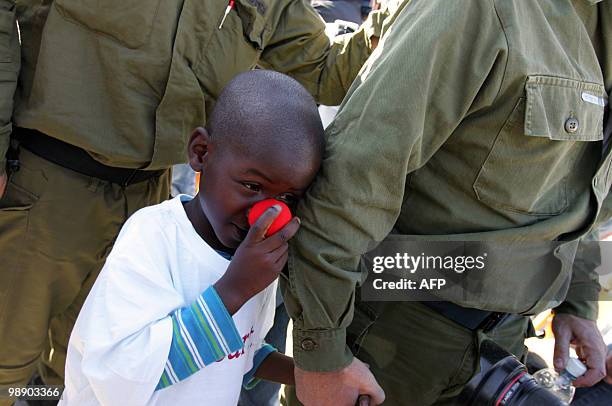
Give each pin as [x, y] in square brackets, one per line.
[232, 181]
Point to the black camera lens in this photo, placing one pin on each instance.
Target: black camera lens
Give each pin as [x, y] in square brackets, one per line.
[504, 381]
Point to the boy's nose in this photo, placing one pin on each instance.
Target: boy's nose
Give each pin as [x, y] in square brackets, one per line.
[253, 201]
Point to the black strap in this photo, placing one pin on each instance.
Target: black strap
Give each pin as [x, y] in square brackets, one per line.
[472, 319]
[12, 157]
[77, 159]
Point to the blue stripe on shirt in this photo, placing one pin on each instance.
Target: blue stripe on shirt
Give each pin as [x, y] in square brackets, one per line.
[202, 333]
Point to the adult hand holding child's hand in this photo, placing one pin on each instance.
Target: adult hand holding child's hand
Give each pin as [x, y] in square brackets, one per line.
[258, 261]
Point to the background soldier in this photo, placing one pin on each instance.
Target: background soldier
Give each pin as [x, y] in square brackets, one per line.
[107, 95]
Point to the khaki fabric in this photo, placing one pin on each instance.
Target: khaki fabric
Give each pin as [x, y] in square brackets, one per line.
[52, 247]
[128, 80]
[457, 128]
[9, 70]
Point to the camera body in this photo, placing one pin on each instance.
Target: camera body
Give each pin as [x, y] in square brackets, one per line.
[504, 381]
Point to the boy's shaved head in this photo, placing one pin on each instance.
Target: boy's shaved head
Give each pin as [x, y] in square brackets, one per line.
[263, 140]
[261, 110]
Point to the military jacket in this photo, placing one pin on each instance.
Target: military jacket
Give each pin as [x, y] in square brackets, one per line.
[128, 80]
[475, 120]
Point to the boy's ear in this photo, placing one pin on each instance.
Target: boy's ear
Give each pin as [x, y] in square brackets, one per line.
[198, 148]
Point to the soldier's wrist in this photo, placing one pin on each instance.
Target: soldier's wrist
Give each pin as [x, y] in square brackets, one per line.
[321, 350]
[580, 308]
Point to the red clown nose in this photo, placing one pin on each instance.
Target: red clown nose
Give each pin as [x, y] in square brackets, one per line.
[279, 222]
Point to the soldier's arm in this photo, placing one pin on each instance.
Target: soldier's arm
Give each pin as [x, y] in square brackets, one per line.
[300, 48]
[9, 69]
[583, 294]
[404, 105]
[582, 298]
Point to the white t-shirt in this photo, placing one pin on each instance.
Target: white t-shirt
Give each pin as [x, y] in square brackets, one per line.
[122, 337]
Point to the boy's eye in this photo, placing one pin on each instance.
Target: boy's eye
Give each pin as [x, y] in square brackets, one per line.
[254, 187]
[289, 199]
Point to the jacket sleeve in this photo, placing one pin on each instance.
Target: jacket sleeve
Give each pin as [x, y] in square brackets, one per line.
[583, 294]
[300, 48]
[585, 288]
[425, 76]
[9, 70]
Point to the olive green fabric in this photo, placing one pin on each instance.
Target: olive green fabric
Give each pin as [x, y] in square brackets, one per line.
[583, 293]
[52, 247]
[9, 69]
[458, 128]
[419, 357]
[127, 80]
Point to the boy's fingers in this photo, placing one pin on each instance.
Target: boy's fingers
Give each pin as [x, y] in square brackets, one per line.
[277, 252]
[282, 259]
[284, 234]
[281, 237]
[258, 230]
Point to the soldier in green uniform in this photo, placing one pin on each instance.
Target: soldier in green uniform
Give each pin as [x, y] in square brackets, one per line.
[105, 96]
[475, 120]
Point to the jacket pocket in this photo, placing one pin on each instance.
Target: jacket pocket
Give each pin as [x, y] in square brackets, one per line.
[129, 22]
[534, 154]
[16, 198]
[15, 207]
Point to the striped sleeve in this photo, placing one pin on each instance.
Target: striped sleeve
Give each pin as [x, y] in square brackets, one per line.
[202, 333]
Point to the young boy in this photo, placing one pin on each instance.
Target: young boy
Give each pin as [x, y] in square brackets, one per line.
[187, 294]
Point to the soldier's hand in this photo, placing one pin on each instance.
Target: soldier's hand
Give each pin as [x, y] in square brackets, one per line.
[257, 262]
[3, 181]
[352, 385]
[587, 340]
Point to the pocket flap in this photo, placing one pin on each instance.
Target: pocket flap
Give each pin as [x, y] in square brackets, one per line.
[564, 109]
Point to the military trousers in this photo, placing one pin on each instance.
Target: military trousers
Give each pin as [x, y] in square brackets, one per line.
[418, 356]
[56, 228]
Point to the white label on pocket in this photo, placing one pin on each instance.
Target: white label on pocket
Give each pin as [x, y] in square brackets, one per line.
[591, 98]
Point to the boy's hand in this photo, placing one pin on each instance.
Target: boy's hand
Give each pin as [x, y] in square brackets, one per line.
[257, 261]
[277, 368]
